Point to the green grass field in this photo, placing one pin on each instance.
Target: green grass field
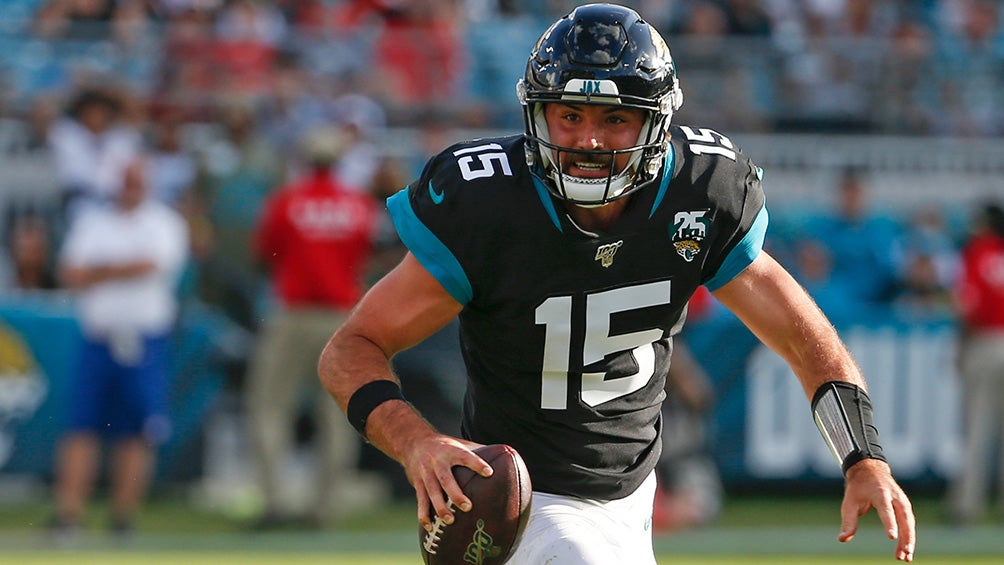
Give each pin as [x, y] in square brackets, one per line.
[244, 558]
[751, 530]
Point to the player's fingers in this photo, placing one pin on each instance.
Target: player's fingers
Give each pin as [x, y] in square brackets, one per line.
[476, 464]
[423, 506]
[439, 503]
[850, 511]
[887, 516]
[907, 529]
[454, 492]
[483, 468]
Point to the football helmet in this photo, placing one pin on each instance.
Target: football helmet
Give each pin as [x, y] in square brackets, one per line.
[599, 54]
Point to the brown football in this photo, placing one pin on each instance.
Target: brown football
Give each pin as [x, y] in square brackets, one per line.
[500, 508]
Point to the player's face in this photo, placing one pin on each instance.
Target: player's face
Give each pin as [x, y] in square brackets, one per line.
[593, 127]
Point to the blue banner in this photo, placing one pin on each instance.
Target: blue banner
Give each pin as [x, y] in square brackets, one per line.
[39, 341]
[762, 429]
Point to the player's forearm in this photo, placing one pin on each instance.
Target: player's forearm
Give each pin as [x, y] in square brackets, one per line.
[793, 326]
[395, 426]
[818, 355]
[348, 363]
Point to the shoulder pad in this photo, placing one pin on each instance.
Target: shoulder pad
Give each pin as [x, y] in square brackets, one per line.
[705, 151]
[482, 164]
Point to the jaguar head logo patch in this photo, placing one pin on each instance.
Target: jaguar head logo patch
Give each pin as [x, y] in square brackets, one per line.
[689, 230]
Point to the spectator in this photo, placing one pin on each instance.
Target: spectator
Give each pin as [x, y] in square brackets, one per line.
[705, 25]
[690, 489]
[969, 69]
[75, 19]
[363, 121]
[315, 236]
[859, 241]
[132, 20]
[904, 100]
[91, 146]
[748, 18]
[187, 74]
[826, 79]
[255, 21]
[419, 55]
[981, 366]
[173, 169]
[239, 171]
[813, 267]
[41, 114]
[926, 264]
[292, 107]
[124, 262]
[247, 35]
[30, 254]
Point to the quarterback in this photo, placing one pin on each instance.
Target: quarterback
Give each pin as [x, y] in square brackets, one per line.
[569, 254]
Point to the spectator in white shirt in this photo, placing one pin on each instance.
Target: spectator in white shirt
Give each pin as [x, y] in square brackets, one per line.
[124, 262]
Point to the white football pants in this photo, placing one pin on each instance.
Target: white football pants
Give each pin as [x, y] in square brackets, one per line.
[564, 530]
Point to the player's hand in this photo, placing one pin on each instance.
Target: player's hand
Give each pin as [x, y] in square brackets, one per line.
[870, 485]
[429, 466]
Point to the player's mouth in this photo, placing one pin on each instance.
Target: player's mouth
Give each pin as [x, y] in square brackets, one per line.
[588, 169]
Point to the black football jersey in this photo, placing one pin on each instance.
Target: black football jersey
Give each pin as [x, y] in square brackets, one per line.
[566, 333]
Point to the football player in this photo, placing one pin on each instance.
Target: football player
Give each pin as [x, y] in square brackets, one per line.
[569, 254]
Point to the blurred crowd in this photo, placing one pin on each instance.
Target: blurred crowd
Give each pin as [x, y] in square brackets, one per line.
[222, 98]
[860, 262]
[897, 66]
[219, 94]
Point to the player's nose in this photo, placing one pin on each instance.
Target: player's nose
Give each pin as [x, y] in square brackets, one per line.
[589, 137]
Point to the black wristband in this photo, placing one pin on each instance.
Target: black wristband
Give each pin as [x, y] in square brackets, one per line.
[366, 398]
[843, 413]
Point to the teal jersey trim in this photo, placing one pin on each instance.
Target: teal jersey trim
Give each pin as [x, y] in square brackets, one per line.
[743, 253]
[545, 199]
[667, 175]
[428, 249]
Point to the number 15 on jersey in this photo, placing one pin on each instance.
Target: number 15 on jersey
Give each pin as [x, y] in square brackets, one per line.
[555, 314]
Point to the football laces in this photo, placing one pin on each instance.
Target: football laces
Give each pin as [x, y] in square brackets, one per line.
[431, 542]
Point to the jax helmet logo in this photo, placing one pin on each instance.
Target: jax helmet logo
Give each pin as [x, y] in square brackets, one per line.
[23, 387]
[689, 230]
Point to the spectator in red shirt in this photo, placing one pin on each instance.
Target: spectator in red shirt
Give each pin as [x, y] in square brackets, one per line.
[315, 236]
[981, 365]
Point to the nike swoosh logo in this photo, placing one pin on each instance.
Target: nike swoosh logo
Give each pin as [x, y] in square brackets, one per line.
[437, 197]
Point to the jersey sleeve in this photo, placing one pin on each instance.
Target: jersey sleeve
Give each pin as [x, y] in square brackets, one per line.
[429, 218]
[736, 192]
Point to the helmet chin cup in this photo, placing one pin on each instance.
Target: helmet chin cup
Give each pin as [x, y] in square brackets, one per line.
[592, 192]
